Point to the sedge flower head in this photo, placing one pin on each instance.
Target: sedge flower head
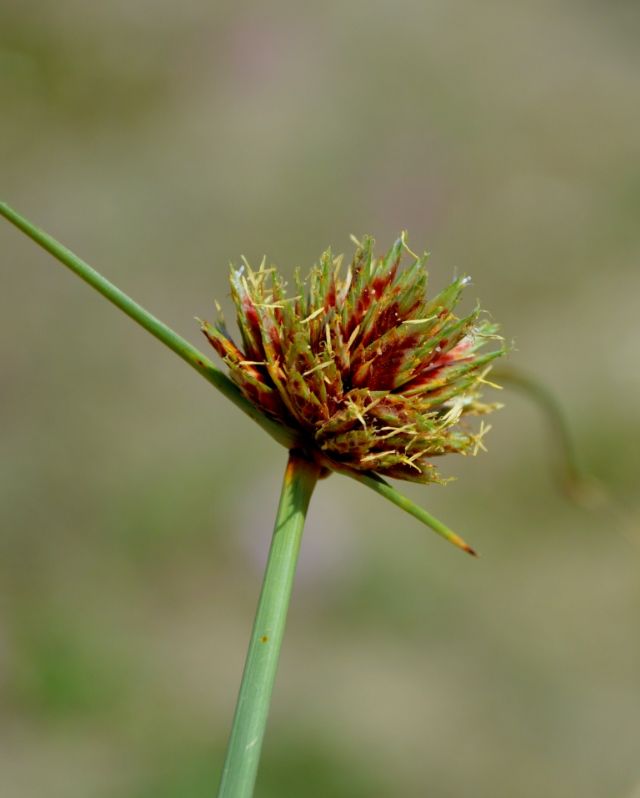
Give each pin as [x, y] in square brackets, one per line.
[364, 369]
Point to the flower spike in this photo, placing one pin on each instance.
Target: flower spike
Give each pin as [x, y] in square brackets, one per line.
[367, 373]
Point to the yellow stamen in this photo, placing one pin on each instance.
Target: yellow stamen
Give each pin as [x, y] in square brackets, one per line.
[312, 316]
[377, 455]
[403, 238]
[318, 367]
[419, 321]
[358, 415]
[352, 337]
[327, 332]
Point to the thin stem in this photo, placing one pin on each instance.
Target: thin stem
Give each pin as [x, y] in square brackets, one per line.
[576, 483]
[175, 342]
[250, 719]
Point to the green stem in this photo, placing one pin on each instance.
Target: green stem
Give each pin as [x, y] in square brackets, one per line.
[249, 722]
[572, 477]
[175, 342]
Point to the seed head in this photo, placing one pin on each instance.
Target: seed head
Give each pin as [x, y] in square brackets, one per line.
[365, 370]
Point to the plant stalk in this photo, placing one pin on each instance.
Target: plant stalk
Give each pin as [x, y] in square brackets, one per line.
[175, 342]
[250, 719]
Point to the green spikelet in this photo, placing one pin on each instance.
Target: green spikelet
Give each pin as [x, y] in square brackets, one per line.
[370, 374]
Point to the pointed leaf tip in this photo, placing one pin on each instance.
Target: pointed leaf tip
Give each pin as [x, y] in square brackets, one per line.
[466, 547]
[383, 488]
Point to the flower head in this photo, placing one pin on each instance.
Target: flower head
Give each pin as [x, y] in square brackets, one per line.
[365, 370]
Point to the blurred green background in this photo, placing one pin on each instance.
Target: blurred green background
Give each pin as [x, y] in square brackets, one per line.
[162, 140]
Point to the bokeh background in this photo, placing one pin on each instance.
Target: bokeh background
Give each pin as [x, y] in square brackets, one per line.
[161, 141]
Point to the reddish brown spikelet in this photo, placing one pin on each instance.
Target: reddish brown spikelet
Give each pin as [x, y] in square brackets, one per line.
[369, 373]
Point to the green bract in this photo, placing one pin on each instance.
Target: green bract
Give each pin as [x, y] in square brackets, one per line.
[364, 370]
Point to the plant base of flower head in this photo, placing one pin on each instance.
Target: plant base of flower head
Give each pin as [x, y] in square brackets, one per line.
[367, 372]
